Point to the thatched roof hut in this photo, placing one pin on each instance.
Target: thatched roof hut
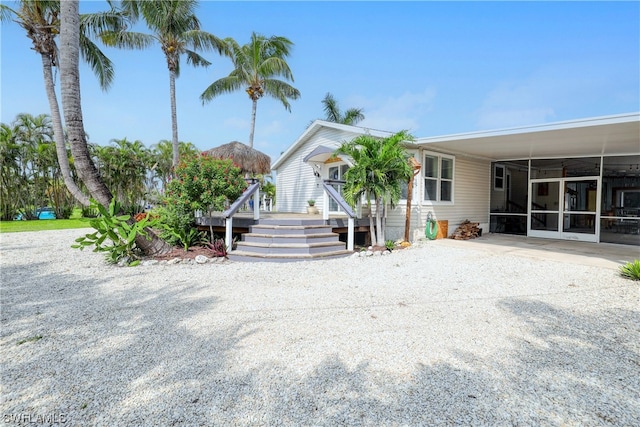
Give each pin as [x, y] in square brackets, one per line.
[247, 158]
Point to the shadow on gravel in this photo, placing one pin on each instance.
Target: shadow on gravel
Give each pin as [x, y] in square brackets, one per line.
[112, 358]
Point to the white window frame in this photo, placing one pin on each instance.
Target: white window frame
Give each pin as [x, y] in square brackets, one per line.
[503, 178]
[439, 178]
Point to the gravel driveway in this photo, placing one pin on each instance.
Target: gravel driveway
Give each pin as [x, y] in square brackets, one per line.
[432, 335]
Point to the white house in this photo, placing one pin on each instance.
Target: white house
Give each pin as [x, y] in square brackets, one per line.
[576, 180]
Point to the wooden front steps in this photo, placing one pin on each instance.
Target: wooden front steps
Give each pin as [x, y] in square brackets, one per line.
[289, 239]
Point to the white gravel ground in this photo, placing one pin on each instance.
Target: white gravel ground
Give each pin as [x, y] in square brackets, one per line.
[431, 335]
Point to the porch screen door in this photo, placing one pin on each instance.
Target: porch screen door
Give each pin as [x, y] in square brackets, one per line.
[564, 208]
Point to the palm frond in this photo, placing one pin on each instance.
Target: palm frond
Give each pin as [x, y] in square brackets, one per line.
[92, 24]
[227, 84]
[196, 60]
[281, 91]
[101, 66]
[127, 39]
[202, 40]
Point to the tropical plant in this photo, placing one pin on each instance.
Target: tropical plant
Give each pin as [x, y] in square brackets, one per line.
[10, 177]
[41, 21]
[379, 168]
[162, 159]
[218, 248]
[333, 114]
[176, 29]
[390, 245]
[115, 234]
[70, 90]
[257, 65]
[202, 183]
[123, 167]
[631, 270]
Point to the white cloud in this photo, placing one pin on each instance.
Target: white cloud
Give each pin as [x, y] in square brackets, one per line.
[395, 113]
[547, 94]
[515, 104]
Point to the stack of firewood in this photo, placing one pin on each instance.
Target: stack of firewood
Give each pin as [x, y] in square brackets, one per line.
[467, 230]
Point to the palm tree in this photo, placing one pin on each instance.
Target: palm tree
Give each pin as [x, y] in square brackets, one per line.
[70, 90]
[379, 168]
[40, 19]
[123, 166]
[162, 155]
[256, 66]
[177, 29]
[333, 114]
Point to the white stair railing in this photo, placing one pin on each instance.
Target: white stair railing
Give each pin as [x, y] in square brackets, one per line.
[330, 192]
[252, 190]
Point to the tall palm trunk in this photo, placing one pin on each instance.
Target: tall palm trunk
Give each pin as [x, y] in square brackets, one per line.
[70, 89]
[71, 105]
[58, 133]
[254, 107]
[372, 230]
[379, 236]
[174, 118]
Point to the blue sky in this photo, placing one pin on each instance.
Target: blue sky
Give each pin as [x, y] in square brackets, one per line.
[432, 68]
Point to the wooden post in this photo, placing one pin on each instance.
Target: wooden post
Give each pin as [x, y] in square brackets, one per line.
[416, 170]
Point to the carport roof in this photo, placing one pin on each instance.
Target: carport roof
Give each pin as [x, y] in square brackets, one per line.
[609, 135]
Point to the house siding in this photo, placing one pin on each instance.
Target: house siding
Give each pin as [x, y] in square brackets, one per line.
[472, 179]
[295, 181]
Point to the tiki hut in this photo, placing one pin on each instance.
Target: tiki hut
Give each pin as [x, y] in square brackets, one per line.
[250, 160]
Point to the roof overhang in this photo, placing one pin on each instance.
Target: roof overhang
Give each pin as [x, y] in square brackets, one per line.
[610, 135]
[320, 154]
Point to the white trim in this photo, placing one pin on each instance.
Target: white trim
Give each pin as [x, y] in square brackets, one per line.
[569, 124]
[438, 179]
[497, 166]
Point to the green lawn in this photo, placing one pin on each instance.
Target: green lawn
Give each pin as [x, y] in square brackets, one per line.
[42, 224]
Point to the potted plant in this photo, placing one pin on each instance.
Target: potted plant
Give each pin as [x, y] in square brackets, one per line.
[311, 209]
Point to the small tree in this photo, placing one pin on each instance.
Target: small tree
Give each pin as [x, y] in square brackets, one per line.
[201, 183]
[379, 168]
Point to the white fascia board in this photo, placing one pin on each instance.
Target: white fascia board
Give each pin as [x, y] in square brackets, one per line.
[569, 124]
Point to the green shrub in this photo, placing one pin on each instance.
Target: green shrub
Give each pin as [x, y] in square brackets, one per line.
[89, 212]
[201, 183]
[631, 270]
[390, 245]
[115, 234]
[64, 212]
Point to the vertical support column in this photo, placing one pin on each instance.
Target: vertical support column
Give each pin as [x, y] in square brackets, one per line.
[228, 237]
[256, 204]
[325, 205]
[350, 234]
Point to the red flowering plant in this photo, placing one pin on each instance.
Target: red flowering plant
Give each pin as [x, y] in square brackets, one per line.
[201, 183]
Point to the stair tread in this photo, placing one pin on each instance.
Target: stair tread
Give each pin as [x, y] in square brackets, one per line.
[240, 253]
[290, 236]
[290, 227]
[290, 245]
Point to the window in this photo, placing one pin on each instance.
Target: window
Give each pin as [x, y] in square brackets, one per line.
[498, 177]
[336, 173]
[438, 177]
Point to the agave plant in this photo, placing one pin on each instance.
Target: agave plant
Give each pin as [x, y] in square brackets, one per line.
[631, 270]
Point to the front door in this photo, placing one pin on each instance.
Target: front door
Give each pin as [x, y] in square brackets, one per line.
[564, 208]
